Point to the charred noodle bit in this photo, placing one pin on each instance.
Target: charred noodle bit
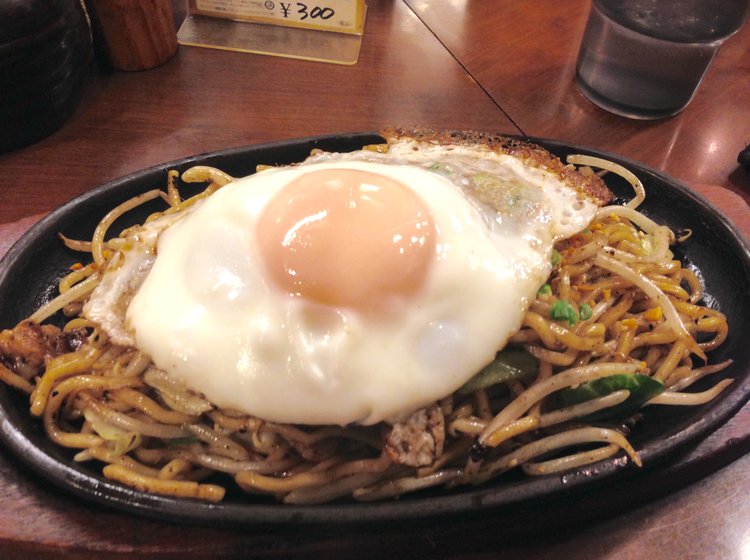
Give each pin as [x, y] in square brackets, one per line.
[177, 397]
[173, 469]
[482, 404]
[220, 444]
[114, 406]
[173, 193]
[204, 173]
[72, 385]
[59, 368]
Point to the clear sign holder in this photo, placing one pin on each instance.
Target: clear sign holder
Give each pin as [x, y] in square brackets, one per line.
[284, 29]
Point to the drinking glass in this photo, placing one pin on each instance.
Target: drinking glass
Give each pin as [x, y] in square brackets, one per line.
[645, 59]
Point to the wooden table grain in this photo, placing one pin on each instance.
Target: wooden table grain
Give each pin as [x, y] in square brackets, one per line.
[524, 55]
[204, 100]
[501, 66]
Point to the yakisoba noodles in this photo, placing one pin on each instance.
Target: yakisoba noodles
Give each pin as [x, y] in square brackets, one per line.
[618, 325]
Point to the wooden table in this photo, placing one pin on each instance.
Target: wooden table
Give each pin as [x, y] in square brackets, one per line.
[524, 57]
[502, 66]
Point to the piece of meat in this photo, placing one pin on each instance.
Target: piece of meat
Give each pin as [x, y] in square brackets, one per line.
[418, 440]
[26, 348]
[531, 154]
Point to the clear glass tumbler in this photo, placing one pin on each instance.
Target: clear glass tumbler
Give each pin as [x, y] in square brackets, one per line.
[645, 59]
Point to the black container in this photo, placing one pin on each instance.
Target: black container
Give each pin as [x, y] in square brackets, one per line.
[46, 59]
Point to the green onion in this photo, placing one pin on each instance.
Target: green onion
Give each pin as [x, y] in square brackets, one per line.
[442, 168]
[563, 311]
[545, 290]
[555, 258]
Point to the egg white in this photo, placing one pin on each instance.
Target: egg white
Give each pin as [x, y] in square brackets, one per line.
[207, 315]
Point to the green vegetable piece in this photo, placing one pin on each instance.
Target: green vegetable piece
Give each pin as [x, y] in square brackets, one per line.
[585, 311]
[555, 258]
[545, 290]
[441, 168]
[642, 389]
[563, 311]
[510, 363]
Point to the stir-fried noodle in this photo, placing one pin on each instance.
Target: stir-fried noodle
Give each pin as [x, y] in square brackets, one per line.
[619, 325]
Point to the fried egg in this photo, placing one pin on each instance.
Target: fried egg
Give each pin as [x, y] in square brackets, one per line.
[350, 288]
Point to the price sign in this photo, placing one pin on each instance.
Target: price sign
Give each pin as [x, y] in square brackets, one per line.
[343, 16]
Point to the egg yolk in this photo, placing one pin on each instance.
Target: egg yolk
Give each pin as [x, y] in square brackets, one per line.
[346, 237]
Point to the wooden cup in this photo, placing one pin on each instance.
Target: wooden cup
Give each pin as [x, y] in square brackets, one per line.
[137, 34]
